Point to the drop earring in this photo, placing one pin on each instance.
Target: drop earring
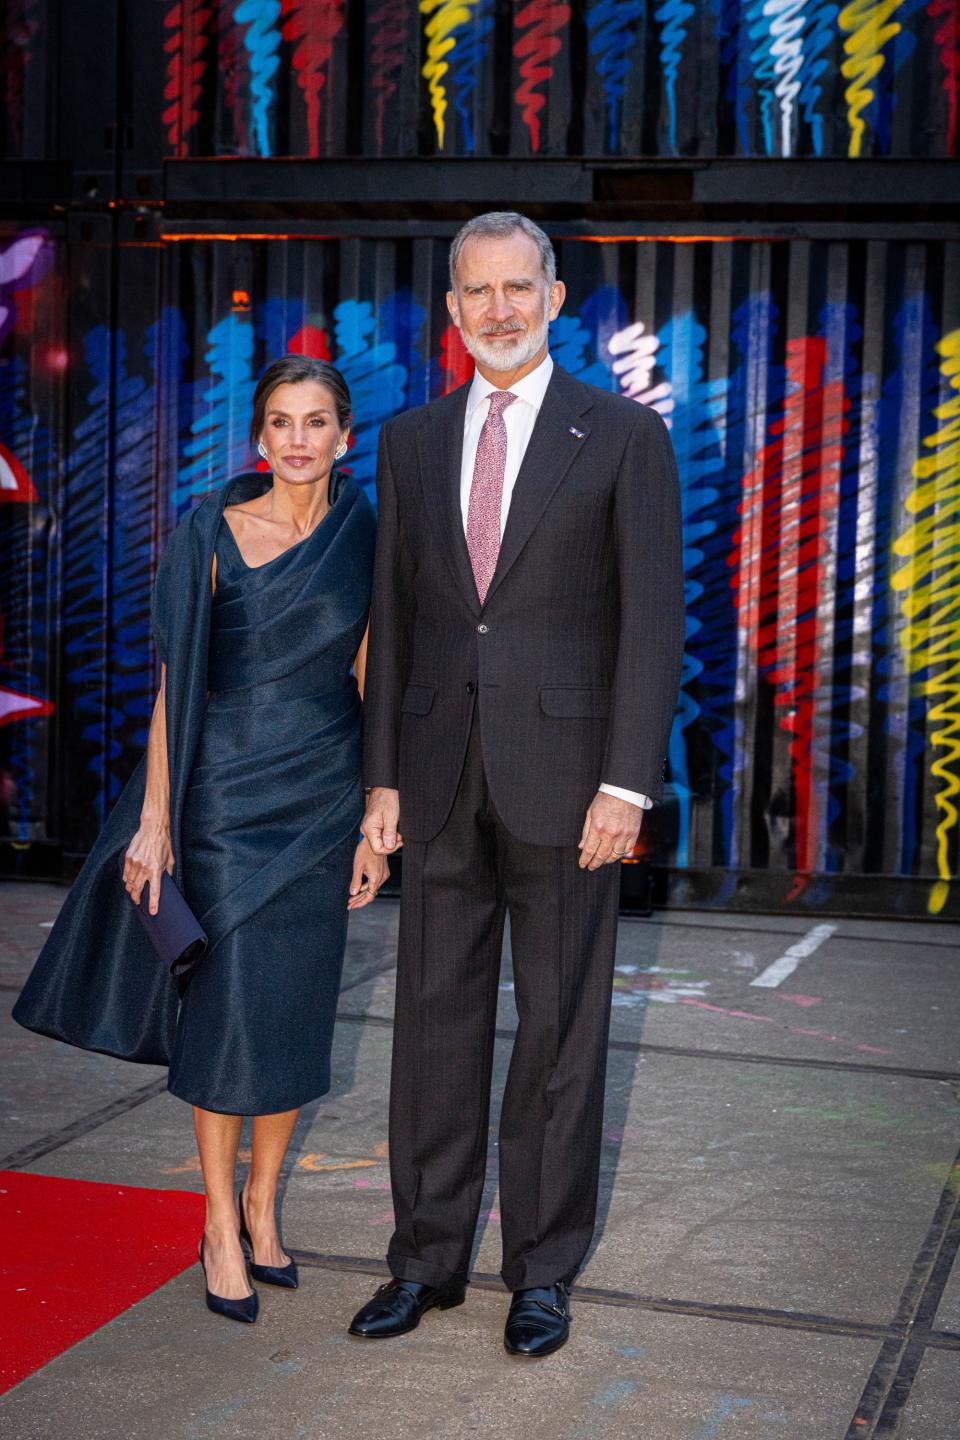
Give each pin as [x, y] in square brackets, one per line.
[340, 451]
[262, 450]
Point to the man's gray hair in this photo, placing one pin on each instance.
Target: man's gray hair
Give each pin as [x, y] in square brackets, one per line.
[501, 223]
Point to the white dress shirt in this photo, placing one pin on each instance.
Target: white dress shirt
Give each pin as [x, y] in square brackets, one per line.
[519, 419]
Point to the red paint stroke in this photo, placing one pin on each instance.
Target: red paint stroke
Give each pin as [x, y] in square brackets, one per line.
[536, 51]
[790, 497]
[315, 23]
[790, 1029]
[232, 62]
[55, 1288]
[455, 361]
[806, 1002]
[16, 487]
[387, 27]
[310, 340]
[947, 40]
[184, 47]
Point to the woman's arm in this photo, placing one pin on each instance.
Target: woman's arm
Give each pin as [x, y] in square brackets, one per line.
[150, 852]
[360, 664]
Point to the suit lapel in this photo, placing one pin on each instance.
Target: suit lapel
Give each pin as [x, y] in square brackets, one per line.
[558, 436]
[440, 444]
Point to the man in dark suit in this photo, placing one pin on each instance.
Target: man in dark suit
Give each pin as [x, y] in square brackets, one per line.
[524, 658]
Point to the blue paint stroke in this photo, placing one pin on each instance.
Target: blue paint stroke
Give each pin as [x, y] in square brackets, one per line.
[130, 678]
[377, 383]
[28, 572]
[218, 446]
[759, 72]
[897, 52]
[726, 17]
[262, 42]
[572, 346]
[699, 406]
[746, 40]
[83, 617]
[614, 27]
[275, 321]
[820, 33]
[834, 726]
[672, 16]
[471, 42]
[726, 1406]
[905, 418]
[613, 1395]
[106, 617]
[402, 320]
[604, 313]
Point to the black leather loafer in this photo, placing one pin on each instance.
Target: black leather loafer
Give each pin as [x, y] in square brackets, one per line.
[400, 1305]
[539, 1321]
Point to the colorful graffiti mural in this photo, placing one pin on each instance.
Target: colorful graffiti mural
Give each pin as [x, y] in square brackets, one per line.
[609, 77]
[817, 734]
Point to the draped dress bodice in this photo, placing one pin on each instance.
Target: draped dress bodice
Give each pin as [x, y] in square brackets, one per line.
[275, 781]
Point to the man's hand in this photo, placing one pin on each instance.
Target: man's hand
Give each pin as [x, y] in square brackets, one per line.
[381, 820]
[610, 831]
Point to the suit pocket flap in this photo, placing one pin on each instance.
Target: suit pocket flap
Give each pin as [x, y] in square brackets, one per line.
[418, 699]
[589, 702]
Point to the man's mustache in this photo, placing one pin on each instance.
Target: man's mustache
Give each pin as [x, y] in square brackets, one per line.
[503, 330]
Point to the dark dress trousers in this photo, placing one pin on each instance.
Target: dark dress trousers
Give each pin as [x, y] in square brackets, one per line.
[497, 723]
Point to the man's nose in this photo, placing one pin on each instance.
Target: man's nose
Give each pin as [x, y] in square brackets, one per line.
[500, 306]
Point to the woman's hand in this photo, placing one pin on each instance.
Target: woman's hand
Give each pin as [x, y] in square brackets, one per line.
[369, 873]
[148, 855]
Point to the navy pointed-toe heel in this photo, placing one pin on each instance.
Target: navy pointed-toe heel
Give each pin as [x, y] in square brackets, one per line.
[244, 1310]
[283, 1275]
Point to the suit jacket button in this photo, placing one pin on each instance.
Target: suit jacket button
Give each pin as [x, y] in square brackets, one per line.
[470, 687]
[482, 629]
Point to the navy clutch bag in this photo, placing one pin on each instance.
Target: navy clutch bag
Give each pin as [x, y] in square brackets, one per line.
[174, 932]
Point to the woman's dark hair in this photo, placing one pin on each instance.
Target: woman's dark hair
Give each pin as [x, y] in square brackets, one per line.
[293, 370]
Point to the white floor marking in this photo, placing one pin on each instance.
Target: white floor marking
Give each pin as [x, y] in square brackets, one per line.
[790, 959]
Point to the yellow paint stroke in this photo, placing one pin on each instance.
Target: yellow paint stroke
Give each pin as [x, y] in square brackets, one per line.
[866, 20]
[447, 15]
[930, 587]
[320, 1160]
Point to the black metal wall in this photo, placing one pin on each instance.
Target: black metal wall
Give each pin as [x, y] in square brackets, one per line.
[797, 323]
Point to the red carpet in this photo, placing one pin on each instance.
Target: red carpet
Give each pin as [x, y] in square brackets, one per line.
[75, 1254]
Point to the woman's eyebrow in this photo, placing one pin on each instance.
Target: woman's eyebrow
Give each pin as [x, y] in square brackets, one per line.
[283, 414]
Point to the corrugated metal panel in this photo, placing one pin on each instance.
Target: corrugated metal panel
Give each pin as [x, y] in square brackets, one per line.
[722, 77]
[813, 391]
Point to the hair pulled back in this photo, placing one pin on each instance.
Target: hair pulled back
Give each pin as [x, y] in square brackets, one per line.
[294, 370]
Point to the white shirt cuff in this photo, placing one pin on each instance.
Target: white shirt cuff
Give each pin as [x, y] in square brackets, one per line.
[634, 796]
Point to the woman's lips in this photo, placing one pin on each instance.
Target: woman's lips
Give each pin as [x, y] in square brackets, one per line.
[297, 461]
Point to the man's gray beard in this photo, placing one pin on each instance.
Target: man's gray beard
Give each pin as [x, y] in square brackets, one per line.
[486, 352]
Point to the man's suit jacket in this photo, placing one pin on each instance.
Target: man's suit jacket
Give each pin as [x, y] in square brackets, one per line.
[573, 662]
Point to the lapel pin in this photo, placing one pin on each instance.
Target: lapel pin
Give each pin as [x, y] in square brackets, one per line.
[576, 432]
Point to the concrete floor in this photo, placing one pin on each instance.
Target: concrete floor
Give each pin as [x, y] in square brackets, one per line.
[779, 1213]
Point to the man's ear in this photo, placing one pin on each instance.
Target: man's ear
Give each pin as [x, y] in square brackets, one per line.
[558, 293]
[453, 308]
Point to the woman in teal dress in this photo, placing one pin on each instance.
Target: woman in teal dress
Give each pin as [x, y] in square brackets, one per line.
[250, 797]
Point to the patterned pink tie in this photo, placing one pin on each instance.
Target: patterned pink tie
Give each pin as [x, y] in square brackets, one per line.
[486, 493]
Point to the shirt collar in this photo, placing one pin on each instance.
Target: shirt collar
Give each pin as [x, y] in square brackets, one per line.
[531, 388]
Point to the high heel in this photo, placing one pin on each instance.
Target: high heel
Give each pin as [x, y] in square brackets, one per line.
[245, 1309]
[283, 1275]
